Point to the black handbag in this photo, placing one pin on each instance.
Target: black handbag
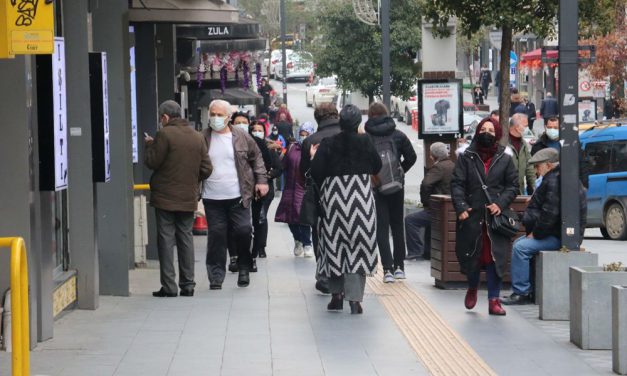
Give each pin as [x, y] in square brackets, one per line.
[508, 222]
[310, 208]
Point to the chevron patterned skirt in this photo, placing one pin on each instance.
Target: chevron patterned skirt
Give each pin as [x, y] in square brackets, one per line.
[347, 227]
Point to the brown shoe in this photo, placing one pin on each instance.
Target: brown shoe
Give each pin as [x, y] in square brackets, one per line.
[471, 298]
[494, 307]
[336, 303]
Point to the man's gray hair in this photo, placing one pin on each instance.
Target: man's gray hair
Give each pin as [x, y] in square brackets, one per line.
[517, 118]
[170, 108]
[222, 103]
[439, 151]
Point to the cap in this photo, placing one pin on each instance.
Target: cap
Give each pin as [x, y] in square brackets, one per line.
[546, 155]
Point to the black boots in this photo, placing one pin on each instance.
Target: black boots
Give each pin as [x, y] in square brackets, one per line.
[243, 280]
[356, 308]
[336, 303]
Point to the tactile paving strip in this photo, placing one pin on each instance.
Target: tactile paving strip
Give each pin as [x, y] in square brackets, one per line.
[441, 350]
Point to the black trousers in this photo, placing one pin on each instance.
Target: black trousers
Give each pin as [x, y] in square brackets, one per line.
[260, 220]
[229, 224]
[390, 216]
[418, 242]
[174, 228]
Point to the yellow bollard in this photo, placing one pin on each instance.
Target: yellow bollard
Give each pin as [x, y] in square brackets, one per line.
[19, 306]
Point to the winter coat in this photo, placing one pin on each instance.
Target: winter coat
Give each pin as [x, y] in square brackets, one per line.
[285, 130]
[466, 192]
[437, 181]
[530, 110]
[347, 228]
[486, 77]
[543, 215]
[294, 189]
[525, 169]
[385, 127]
[516, 101]
[326, 128]
[549, 107]
[248, 162]
[271, 160]
[178, 155]
[544, 142]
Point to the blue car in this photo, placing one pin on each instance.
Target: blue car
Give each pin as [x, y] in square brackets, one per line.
[605, 165]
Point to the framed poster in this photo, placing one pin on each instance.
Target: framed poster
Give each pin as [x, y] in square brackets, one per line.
[440, 107]
[587, 110]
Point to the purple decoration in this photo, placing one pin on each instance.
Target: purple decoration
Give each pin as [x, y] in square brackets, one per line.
[223, 78]
[258, 74]
[246, 79]
[199, 77]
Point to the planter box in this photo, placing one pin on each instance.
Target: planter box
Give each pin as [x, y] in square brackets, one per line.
[444, 264]
[590, 302]
[552, 292]
[619, 329]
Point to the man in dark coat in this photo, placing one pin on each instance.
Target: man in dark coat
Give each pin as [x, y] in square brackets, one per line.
[178, 155]
[550, 138]
[265, 90]
[486, 80]
[543, 224]
[437, 181]
[549, 107]
[328, 120]
[530, 110]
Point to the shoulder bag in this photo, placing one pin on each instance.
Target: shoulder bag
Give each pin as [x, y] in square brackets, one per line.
[310, 208]
[508, 222]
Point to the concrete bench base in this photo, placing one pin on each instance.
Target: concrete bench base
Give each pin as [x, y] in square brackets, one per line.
[619, 329]
[552, 292]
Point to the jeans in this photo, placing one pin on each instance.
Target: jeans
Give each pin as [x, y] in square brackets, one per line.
[175, 228]
[522, 251]
[390, 215]
[301, 233]
[494, 281]
[229, 224]
[418, 243]
[260, 221]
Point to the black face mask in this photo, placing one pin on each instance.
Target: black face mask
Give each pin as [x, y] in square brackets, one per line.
[486, 139]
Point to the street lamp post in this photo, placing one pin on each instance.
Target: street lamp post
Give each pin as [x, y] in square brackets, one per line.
[385, 51]
[283, 52]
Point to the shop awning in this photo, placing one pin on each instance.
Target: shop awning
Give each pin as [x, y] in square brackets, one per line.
[537, 55]
[235, 96]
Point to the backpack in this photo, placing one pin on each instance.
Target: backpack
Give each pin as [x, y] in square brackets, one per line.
[390, 178]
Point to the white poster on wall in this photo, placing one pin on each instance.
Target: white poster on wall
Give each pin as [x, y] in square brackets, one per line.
[105, 112]
[440, 107]
[59, 106]
[587, 111]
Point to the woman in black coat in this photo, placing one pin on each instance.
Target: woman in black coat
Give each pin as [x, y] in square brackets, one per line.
[477, 247]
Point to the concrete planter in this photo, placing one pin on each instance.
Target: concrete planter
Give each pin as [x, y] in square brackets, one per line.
[619, 329]
[590, 302]
[552, 292]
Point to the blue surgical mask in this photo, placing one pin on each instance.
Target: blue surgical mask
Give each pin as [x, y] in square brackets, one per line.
[217, 123]
[258, 134]
[553, 134]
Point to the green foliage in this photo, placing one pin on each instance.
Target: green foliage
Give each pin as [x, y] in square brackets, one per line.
[351, 49]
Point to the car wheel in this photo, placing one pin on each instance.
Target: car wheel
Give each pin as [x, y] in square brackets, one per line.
[616, 222]
[604, 233]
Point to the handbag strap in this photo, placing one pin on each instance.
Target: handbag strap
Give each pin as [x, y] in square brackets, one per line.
[484, 187]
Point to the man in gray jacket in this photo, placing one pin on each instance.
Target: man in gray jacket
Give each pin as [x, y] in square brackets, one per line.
[178, 156]
[239, 176]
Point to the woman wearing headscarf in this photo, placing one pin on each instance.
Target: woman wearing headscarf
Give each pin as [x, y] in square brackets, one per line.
[341, 167]
[477, 246]
[292, 196]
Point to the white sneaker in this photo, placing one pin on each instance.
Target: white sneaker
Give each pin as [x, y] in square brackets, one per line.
[399, 273]
[298, 249]
[309, 251]
[388, 277]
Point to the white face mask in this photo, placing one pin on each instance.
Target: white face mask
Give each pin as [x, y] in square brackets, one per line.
[242, 126]
[258, 134]
[553, 134]
[217, 123]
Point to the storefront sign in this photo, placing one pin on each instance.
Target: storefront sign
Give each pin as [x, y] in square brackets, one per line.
[218, 31]
[513, 61]
[26, 27]
[440, 107]
[59, 109]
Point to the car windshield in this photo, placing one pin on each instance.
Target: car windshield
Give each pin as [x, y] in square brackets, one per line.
[328, 81]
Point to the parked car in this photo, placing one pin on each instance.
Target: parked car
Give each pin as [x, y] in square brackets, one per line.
[401, 109]
[275, 61]
[605, 169]
[321, 90]
[300, 65]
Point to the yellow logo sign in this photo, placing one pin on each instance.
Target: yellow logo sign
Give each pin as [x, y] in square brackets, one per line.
[26, 27]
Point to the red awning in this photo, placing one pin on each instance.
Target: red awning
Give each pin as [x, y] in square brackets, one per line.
[537, 55]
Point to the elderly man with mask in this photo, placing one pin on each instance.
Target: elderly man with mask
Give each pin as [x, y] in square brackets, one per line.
[521, 154]
[437, 181]
[543, 224]
[239, 175]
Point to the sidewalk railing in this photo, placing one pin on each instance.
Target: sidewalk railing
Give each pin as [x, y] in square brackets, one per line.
[19, 306]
